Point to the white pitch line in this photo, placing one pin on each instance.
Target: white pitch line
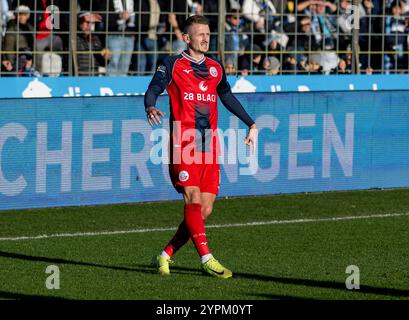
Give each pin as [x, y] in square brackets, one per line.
[228, 225]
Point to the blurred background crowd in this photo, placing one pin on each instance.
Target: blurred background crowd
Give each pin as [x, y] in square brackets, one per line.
[130, 37]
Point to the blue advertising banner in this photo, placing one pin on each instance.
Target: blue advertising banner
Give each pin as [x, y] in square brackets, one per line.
[46, 87]
[58, 152]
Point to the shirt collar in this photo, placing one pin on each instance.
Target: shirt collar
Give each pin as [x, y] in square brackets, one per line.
[190, 58]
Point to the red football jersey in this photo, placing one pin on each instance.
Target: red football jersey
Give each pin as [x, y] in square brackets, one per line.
[193, 102]
[193, 87]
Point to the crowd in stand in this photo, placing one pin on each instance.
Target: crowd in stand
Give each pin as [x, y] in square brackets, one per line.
[122, 37]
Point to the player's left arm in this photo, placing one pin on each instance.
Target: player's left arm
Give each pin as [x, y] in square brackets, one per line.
[234, 106]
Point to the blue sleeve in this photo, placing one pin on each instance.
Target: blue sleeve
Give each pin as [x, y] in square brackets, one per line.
[230, 101]
[161, 78]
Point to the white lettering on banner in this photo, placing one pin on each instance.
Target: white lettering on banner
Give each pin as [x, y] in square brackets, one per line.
[296, 146]
[18, 131]
[91, 155]
[131, 159]
[270, 149]
[46, 157]
[344, 152]
[337, 150]
[76, 92]
[303, 88]
[105, 91]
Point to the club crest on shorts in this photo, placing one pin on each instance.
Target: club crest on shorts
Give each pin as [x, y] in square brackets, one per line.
[213, 72]
[183, 176]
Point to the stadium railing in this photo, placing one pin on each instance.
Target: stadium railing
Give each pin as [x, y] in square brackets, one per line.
[283, 47]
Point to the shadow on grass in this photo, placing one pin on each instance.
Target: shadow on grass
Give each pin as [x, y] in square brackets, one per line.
[310, 283]
[20, 296]
[276, 297]
[20, 256]
[146, 268]
[325, 284]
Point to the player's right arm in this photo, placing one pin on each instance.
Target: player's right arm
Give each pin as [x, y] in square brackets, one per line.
[160, 80]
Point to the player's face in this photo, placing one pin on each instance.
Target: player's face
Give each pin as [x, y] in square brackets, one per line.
[198, 38]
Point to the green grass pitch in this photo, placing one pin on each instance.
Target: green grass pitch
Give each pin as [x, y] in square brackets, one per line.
[305, 258]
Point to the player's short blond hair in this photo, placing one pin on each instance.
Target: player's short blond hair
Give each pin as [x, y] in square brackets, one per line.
[196, 19]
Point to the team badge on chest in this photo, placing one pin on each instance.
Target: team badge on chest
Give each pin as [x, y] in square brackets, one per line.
[213, 72]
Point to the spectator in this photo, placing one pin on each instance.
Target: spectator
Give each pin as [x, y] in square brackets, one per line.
[369, 40]
[323, 25]
[163, 42]
[291, 65]
[260, 12]
[229, 67]
[19, 35]
[95, 8]
[313, 65]
[120, 24]
[345, 23]
[178, 12]
[302, 40]
[25, 64]
[396, 29]
[147, 27]
[301, 43]
[235, 40]
[250, 62]
[6, 16]
[46, 39]
[89, 63]
[271, 65]
[263, 17]
[276, 41]
[307, 6]
[211, 11]
[323, 29]
[388, 4]
[344, 66]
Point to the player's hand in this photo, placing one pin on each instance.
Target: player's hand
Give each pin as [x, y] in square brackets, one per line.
[251, 138]
[154, 115]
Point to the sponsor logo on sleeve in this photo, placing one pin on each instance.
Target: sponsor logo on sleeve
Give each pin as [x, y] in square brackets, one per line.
[161, 68]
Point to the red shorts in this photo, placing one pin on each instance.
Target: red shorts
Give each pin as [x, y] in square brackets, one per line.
[203, 175]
